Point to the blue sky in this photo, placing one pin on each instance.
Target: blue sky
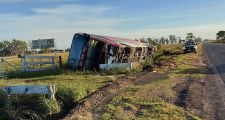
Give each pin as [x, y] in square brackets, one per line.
[61, 19]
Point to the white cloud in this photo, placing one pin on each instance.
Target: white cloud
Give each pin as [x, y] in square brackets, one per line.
[73, 10]
[61, 23]
[64, 21]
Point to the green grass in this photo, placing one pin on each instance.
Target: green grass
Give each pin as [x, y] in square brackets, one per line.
[145, 111]
[154, 100]
[84, 83]
[71, 87]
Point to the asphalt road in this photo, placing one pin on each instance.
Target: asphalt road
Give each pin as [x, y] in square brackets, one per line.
[214, 95]
[216, 55]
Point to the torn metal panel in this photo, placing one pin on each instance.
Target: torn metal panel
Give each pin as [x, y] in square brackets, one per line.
[116, 65]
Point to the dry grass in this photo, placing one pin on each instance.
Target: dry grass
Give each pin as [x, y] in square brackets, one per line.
[16, 62]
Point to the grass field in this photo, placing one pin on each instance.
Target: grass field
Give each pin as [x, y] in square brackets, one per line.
[14, 61]
[70, 85]
[156, 100]
[148, 101]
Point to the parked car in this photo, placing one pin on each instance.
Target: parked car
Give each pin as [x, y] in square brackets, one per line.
[190, 46]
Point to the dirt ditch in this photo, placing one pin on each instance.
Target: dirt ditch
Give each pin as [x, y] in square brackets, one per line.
[91, 106]
[190, 94]
[94, 102]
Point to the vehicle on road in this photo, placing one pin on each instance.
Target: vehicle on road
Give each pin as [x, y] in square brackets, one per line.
[190, 46]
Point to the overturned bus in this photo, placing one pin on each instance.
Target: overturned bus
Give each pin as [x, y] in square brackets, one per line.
[94, 52]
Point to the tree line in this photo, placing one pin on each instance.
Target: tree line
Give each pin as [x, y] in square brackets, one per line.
[13, 47]
[172, 39]
[220, 36]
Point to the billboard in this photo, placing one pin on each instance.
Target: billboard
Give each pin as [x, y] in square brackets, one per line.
[43, 43]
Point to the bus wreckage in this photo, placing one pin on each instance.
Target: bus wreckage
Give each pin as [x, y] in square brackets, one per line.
[94, 52]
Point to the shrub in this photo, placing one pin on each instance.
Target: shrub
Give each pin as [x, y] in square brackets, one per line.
[30, 107]
[65, 96]
[129, 106]
[106, 116]
[113, 71]
[111, 108]
[48, 106]
[16, 74]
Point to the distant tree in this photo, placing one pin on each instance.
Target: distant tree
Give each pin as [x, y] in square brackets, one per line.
[162, 41]
[19, 46]
[156, 40]
[198, 39]
[150, 41]
[13, 47]
[2, 46]
[7, 48]
[167, 41]
[172, 39]
[190, 36]
[6, 43]
[221, 36]
[180, 41]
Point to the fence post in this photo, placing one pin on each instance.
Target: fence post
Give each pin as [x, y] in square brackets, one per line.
[60, 61]
[2, 71]
[40, 64]
[24, 62]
